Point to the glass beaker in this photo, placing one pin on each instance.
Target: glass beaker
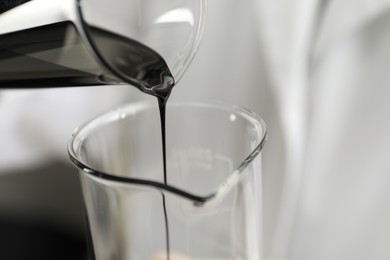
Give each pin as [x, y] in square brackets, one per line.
[210, 207]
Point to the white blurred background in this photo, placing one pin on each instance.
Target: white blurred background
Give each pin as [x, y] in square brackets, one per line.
[316, 71]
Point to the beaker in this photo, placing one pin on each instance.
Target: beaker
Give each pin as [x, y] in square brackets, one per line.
[209, 207]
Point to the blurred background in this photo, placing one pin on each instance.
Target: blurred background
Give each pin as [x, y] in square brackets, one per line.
[315, 70]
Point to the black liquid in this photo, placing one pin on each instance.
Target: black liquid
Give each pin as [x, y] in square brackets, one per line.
[146, 69]
[162, 101]
[47, 56]
[55, 56]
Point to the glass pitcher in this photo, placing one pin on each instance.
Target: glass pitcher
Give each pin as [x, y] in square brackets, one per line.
[210, 207]
[59, 43]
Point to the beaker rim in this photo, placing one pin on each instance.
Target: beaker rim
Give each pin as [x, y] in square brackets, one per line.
[231, 181]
